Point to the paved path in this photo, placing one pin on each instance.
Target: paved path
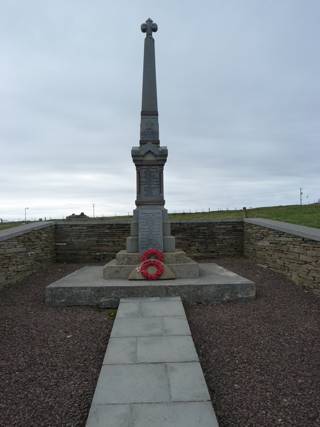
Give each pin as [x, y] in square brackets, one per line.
[151, 375]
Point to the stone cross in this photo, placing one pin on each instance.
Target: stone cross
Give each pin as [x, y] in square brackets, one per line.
[149, 27]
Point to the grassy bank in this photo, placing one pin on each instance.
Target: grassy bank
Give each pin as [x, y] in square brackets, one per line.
[308, 215]
[5, 225]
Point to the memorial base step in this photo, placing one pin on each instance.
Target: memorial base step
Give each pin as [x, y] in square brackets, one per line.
[87, 287]
[125, 262]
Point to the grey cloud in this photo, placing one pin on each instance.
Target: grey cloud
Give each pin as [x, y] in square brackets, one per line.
[238, 96]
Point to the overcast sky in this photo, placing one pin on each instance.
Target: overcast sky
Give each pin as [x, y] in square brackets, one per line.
[238, 97]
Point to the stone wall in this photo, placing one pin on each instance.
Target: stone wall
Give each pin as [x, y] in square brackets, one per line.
[90, 241]
[290, 249]
[97, 241]
[287, 248]
[209, 239]
[25, 250]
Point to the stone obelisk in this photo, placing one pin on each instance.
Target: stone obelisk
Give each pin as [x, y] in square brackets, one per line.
[150, 227]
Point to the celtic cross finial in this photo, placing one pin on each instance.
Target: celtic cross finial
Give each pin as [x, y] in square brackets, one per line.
[149, 27]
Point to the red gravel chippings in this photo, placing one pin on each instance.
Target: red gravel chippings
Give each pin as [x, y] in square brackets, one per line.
[261, 359]
[50, 357]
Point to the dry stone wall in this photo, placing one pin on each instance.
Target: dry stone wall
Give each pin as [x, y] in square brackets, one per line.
[25, 250]
[209, 239]
[286, 248]
[289, 249]
[97, 241]
[90, 241]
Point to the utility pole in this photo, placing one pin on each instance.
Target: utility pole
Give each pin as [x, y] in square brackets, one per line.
[301, 194]
[25, 214]
[93, 213]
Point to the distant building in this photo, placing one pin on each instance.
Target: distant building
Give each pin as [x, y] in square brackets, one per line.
[80, 216]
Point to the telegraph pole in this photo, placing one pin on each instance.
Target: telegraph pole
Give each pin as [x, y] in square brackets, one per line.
[25, 214]
[301, 194]
[93, 213]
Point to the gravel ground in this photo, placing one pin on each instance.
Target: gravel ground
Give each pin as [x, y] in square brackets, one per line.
[261, 359]
[50, 357]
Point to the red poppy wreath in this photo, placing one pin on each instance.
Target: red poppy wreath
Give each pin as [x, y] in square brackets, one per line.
[152, 253]
[152, 269]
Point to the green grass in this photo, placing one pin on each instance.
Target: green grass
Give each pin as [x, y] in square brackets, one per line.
[6, 225]
[308, 215]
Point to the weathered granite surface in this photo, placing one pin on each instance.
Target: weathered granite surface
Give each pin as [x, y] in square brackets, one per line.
[290, 249]
[25, 250]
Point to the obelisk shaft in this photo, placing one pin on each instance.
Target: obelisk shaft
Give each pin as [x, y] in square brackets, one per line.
[149, 86]
[149, 127]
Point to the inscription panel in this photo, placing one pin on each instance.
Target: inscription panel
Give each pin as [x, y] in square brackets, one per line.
[149, 128]
[150, 229]
[150, 182]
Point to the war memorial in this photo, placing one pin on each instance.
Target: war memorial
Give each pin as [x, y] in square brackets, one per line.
[128, 357]
[150, 251]
[151, 375]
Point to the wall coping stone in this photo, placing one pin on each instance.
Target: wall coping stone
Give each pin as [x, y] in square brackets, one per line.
[90, 222]
[297, 230]
[206, 221]
[95, 222]
[12, 232]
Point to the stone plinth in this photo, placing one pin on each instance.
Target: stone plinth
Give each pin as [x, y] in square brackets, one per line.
[88, 287]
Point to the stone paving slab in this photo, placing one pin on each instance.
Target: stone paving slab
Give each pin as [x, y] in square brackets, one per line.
[87, 287]
[187, 382]
[151, 308]
[190, 414]
[166, 349]
[121, 350]
[160, 349]
[151, 326]
[132, 384]
[151, 375]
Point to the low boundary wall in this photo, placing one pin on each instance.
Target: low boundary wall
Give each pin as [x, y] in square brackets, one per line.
[97, 241]
[290, 249]
[24, 250]
[89, 241]
[209, 239]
